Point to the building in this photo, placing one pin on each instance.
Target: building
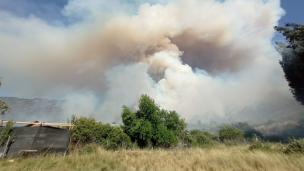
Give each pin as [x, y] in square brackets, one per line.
[38, 137]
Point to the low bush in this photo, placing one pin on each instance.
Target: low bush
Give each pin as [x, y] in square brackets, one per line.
[295, 146]
[259, 145]
[117, 139]
[8, 131]
[87, 130]
[200, 138]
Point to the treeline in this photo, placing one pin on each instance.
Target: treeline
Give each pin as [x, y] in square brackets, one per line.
[148, 127]
[153, 127]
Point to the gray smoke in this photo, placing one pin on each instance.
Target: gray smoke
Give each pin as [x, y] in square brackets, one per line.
[200, 58]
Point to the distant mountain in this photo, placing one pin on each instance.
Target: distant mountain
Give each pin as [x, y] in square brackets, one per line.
[33, 109]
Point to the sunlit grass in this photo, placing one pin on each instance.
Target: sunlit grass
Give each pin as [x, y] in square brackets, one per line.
[219, 157]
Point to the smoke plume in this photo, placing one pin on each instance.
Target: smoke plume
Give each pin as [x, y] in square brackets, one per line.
[201, 58]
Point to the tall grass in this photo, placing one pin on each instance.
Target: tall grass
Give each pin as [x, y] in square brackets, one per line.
[219, 157]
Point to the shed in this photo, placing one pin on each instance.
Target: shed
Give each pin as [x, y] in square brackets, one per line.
[40, 138]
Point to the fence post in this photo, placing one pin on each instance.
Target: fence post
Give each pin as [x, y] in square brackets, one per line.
[4, 152]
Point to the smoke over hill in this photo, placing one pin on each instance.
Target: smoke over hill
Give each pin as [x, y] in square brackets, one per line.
[200, 58]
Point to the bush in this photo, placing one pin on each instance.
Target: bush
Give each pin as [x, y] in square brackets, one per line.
[117, 139]
[84, 130]
[200, 138]
[87, 130]
[228, 132]
[259, 145]
[7, 131]
[295, 146]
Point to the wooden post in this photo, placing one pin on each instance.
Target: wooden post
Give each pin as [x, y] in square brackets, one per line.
[48, 149]
[4, 152]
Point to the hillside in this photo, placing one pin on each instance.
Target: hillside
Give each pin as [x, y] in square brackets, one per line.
[33, 109]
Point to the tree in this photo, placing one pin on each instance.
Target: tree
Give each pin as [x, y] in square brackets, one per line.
[84, 129]
[230, 132]
[4, 108]
[293, 58]
[151, 125]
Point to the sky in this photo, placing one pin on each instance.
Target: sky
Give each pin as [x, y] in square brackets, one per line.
[205, 59]
[51, 10]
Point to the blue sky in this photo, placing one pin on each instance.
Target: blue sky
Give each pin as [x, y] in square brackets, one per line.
[51, 10]
[294, 11]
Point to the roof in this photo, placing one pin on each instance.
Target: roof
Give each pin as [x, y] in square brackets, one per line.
[39, 123]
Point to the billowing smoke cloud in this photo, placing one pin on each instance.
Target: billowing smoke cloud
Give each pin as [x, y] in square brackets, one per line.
[200, 58]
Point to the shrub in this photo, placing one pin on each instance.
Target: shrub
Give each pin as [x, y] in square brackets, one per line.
[200, 138]
[259, 145]
[295, 146]
[117, 139]
[84, 130]
[87, 130]
[7, 131]
[230, 132]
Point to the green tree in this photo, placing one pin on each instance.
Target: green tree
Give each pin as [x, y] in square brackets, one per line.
[4, 108]
[84, 129]
[151, 125]
[230, 132]
[293, 58]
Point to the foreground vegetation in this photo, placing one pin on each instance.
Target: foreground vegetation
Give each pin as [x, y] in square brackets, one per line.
[218, 157]
[152, 138]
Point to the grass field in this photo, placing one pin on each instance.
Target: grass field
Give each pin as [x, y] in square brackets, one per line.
[220, 157]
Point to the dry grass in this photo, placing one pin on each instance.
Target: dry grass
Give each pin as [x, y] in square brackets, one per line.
[218, 158]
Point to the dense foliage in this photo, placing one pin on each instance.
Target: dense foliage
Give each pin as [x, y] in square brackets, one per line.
[151, 125]
[198, 138]
[295, 146]
[293, 58]
[228, 132]
[87, 130]
[8, 131]
[4, 108]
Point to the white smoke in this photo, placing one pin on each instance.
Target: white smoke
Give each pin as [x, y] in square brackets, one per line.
[200, 58]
